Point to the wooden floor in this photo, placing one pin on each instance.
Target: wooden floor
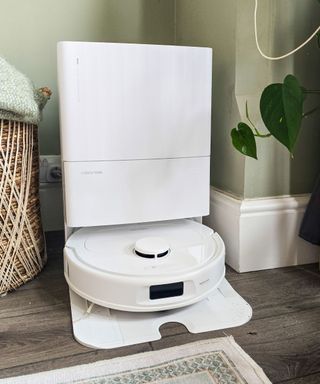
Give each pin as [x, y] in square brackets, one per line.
[283, 336]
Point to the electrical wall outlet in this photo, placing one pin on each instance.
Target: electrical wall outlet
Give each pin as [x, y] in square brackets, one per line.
[50, 169]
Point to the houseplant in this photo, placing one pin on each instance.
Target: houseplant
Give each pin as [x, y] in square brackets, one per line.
[281, 109]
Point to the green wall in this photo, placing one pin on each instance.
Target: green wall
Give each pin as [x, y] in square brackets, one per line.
[213, 23]
[287, 24]
[306, 163]
[29, 31]
[240, 74]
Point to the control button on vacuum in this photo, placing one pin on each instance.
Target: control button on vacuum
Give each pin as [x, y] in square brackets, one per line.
[151, 247]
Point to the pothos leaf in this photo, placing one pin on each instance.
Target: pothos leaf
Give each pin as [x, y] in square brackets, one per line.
[281, 110]
[244, 141]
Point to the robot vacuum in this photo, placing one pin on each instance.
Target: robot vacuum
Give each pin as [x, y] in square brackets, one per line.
[145, 267]
[126, 281]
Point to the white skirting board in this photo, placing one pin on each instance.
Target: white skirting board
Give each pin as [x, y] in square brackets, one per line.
[261, 233]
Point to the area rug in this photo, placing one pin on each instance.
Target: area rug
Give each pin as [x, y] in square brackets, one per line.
[216, 361]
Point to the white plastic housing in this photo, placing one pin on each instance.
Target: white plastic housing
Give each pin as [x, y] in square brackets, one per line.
[135, 132]
[120, 192]
[133, 101]
[102, 267]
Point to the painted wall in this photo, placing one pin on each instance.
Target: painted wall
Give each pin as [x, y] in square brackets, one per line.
[240, 74]
[30, 30]
[306, 163]
[270, 176]
[286, 24]
[212, 23]
[28, 36]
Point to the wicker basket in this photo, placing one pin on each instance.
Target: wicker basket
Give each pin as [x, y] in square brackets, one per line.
[22, 245]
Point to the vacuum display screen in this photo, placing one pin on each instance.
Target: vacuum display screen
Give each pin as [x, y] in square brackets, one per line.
[166, 290]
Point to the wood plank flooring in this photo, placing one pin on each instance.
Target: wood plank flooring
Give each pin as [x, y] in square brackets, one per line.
[283, 336]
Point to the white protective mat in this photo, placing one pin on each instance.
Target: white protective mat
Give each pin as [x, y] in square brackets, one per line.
[106, 328]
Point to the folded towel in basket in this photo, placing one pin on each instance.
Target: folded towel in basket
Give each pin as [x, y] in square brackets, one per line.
[19, 100]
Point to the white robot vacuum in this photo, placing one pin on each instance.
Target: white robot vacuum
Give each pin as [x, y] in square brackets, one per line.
[135, 134]
[145, 268]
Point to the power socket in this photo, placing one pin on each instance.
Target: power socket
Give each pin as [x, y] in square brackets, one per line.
[50, 169]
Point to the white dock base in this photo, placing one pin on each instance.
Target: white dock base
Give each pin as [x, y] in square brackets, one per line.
[106, 328]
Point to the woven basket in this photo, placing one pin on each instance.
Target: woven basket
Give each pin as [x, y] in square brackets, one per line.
[22, 245]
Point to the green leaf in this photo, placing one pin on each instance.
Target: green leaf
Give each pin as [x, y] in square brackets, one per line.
[244, 141]
[281, 110]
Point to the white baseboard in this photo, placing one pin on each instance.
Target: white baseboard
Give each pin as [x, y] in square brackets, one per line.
[261, 233]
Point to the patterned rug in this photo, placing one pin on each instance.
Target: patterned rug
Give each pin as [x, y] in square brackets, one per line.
[216, 361]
